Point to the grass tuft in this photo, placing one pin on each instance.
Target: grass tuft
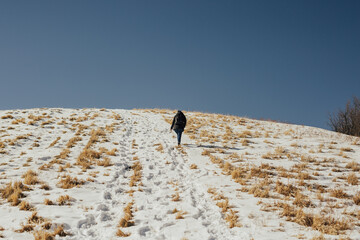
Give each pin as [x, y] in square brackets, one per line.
[68, 182]
[64, 200]
[25, 206]
[30, 178]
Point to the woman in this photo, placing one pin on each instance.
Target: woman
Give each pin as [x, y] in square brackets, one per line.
[178, 125]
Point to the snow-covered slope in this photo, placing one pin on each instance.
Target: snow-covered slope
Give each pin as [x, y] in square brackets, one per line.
[109, 174]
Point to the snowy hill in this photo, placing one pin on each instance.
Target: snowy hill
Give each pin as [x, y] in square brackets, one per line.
[111, 174]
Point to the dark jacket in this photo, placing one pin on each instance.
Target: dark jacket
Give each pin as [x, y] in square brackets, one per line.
[179, 121]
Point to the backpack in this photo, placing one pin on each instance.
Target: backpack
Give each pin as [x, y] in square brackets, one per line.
[180, 120]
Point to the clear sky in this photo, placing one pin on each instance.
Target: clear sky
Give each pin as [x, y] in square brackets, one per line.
[294, 61]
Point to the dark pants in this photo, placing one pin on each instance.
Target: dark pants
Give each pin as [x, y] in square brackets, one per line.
[179, 132]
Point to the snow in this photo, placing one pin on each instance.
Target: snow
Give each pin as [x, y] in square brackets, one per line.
[96, 207]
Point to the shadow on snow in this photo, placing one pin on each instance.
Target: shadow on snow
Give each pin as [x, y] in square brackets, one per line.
[211, 146]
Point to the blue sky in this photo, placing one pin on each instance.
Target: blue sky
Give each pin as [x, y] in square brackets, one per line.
[293, 61]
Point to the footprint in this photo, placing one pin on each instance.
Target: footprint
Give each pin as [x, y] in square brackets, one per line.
[88, 221]
[103, 217]
[119, 190]
[107, 195]
[167, 225]
[144, 230]
[151, 175]
[102, 207]
[44, 158]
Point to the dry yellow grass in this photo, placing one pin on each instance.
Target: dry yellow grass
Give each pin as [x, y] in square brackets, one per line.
[356, 198]
[87, 157]
[134, 145]
[193, 166]
[180, 215]
[347, 149]
[46, 225]
[338, 193]
[63, 154]
[25, 206]
[45, 186]
[352, 179]
[238, 173]
[54, 142]
[110, 128]
[35, 219]
[329, 225]
[67, 182]
[301, 200]
[35, 118]
[354, 166]
[13, 192]
[94, 137]
[176, 197]
[136, 177]
[116, 116]
[64, 200]
[82, 119]
[286, 190]
[224, 205]
[324, 224]
[7, 117]
[19, 120]
[206, 152]
[120, 233]
[59, 231]
[105, 163]
[71, 143]
[25, 228]
[61, 169]
[260, 190]
[245, 142]
[48, 202]
[43, 235]
[112, 152]
[307, 158]
[159, 148]
[319, 237]
[30, 178]
[47, 122]
[126, 221]
[232, 219]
